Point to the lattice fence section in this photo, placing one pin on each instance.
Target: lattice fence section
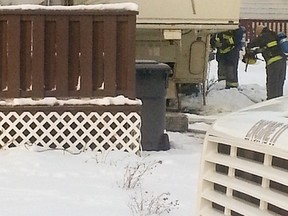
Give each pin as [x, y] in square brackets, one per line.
[73, 132]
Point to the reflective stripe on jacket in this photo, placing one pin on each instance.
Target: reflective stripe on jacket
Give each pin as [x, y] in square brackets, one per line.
[275, 58]
[268, 46]
[227, 43]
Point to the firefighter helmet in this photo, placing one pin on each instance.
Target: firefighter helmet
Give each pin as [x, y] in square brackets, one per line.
[249, 58]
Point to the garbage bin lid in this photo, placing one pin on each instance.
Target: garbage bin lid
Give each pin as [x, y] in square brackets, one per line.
[138, 61]
[152, 66]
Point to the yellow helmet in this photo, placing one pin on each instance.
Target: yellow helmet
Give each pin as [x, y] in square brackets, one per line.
[249, 58]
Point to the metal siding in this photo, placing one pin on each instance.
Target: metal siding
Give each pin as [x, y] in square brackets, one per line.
[264, 9]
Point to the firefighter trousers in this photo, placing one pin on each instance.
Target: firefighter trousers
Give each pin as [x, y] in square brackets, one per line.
[275, 78]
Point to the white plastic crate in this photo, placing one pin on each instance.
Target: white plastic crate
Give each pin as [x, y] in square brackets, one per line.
[244, 167]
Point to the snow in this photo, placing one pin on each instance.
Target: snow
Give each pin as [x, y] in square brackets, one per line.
[55, 182]
[116, 6]
[220, 100]
[52, 101]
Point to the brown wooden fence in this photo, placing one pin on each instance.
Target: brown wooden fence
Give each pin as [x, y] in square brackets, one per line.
[67, 53]
[275, 25]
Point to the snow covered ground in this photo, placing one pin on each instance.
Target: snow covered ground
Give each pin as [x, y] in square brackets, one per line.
[112, 184]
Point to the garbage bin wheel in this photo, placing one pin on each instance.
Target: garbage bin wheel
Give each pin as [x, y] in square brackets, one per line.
[165, 144]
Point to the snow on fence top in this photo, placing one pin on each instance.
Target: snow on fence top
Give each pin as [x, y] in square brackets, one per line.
[99, 7]
[52, 101]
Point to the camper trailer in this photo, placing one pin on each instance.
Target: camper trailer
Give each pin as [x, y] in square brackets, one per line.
[178, 33]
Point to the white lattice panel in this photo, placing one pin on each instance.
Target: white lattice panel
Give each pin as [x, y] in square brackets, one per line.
[73, 132]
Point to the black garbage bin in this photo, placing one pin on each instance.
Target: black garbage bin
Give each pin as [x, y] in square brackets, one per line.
[151, 84]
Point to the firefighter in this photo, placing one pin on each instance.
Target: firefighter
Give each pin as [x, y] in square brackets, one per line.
[228, 45]
[266, 42]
